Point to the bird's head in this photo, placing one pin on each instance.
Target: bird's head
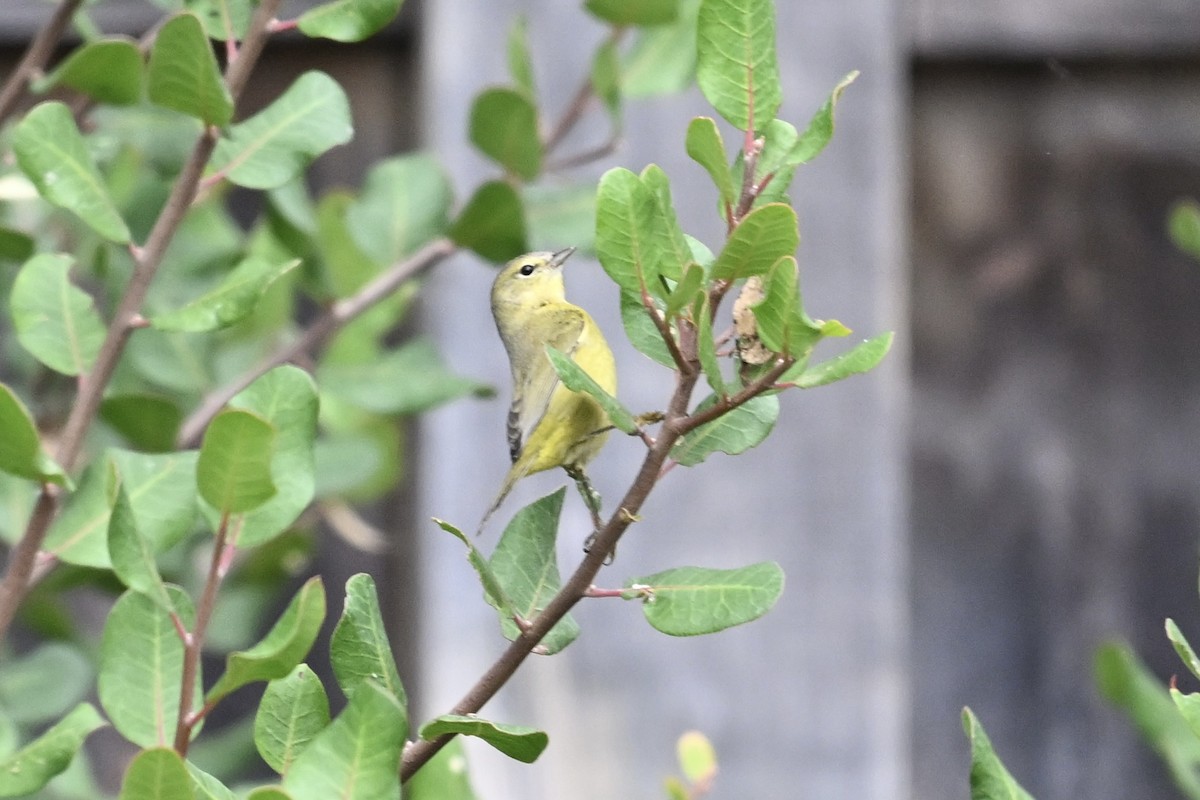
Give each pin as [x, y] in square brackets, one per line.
[531, 279]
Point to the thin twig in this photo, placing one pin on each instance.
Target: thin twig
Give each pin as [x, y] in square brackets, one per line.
[148, 258]
[35, 58]
[724, 405]
[576, 587]
[664, 330]
[330, 322]
[585, 156]
[194, 640]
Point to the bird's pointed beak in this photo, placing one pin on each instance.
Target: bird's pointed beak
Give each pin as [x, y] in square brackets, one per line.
[560, 257]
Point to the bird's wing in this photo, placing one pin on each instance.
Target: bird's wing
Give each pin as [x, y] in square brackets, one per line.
[531, 396]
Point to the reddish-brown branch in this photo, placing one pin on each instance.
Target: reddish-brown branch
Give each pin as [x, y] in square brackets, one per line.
[35, 57]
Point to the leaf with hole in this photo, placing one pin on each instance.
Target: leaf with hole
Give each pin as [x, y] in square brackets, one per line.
[691, 601]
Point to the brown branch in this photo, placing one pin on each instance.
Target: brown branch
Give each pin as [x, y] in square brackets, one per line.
[724, 405]
[664, 330]
[35, 58]
[330, 322]
[194, 641]
[576, 587]
[576, 108]
[148, 258]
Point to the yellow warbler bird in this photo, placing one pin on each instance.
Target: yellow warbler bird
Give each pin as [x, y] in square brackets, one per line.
[548, 424]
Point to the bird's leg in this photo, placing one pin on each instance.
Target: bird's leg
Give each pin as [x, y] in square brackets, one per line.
[591, 499]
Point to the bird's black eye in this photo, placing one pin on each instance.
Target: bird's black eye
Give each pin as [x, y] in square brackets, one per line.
[527, 269]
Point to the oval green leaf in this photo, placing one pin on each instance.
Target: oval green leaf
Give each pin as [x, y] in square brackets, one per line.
[493, 223]
[359, 648]
[32, 767]
[691, 601]
[575, 379]
[734, 432]
[132, 555]
[54, 319]
[52, 152]
[504, 127]
[736, 65]
[627, 241]
[183, 72]
[864, 357]
[107, 70]
[282, 649]
[293, 710]
[515, 741]
[764, 236]
[705, 147]
[20, 448]
[357, 757]
[662, 59]
[150, 422]
[278, 143]
[234, 299]
[156, 774]
[348, 20]
[404, 204]
[234, 470]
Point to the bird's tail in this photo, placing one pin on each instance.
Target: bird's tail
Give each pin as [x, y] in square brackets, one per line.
[515, 473]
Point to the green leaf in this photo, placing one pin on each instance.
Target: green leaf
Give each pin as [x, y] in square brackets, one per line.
[503, 126]
[1189, 708]
[408, 380]
[736, 65]
[672, 245]
[15, 246]
[55, 320]
[705, 147]
[1183, 226]
[687, 291]
[575, 379]
[990, 780]
[20, 448]
[149, 422]
[555, 214]
[157, 774]
[223, 19]
[864, 357]
[641, 330]
[706, 349]
[515, 741]
[444, 777]
[32, 767]
[287, 398]
[1185, 651]
[183, 72]
[493, 591]
[234, 299]
[234, 471]
[697, 758]
[606, 79]
[357, 757]
[782, 325]
[520, 62]
[51, 151]
[1129, 685]
[132, 555]
[348, 20]
[359, 648]
[108, 70]
[293, 711]
[405, 203]
[627, 241]
[734, 432]
[634, 12]
[820, 128]
[690, 601]
[206, 786]
[43, 684]
[269, 793]
[525, 565]
[282, 649]
[662, 59]
[277, 144]
[764, 236]
[141, 667]
[492, 223]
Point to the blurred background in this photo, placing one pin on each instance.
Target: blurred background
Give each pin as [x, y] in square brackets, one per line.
[1016, 484]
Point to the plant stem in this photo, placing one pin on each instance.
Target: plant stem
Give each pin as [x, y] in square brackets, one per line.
[194, 641]
[35, 57]
[330, 322]
[576, 587]
[148, 259]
